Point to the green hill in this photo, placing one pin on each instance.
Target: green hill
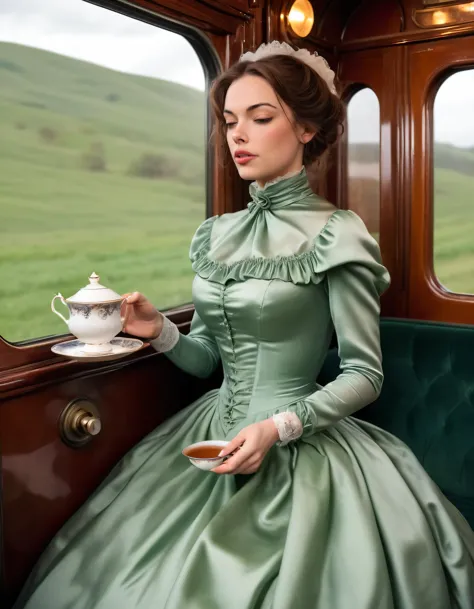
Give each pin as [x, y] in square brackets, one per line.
[461, 160]
[100, 170]
[446, 156]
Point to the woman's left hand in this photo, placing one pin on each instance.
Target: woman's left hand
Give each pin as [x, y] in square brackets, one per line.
[250, 446]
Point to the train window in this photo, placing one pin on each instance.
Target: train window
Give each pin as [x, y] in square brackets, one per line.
[103, 154]
[453, 251]
[363, 162]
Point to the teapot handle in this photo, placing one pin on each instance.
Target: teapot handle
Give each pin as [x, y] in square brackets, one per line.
[123, 316]
[66, 321]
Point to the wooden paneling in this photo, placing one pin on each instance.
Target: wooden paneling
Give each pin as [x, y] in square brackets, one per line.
[405, 77]
[374, 24]
[382, 70]
[428, 63]
[214, 16]
[43, 480]
[374, 18]
[329, 19]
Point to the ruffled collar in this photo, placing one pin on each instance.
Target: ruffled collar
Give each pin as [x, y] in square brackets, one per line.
[287, 233]
[280, 193]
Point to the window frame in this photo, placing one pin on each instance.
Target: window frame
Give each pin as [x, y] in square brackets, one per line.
[29, 352]
[348, 96]
[436, 86]
[430, 66]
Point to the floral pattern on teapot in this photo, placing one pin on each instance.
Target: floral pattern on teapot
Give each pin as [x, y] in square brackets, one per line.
[103, 310]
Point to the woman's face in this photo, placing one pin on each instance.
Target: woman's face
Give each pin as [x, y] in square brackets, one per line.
[263, 139]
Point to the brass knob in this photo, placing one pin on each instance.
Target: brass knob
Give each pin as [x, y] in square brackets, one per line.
[79, 423]
[84, 422]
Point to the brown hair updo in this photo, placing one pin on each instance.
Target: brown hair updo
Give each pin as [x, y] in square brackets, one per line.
[301, 88]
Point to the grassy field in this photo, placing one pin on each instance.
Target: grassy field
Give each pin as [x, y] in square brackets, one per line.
[71, 134]
[454, 230]
[103, 171]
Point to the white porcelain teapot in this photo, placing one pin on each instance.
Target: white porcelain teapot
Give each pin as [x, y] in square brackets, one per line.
[95, 316]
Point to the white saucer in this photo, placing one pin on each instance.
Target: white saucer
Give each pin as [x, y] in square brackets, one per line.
[121, 347]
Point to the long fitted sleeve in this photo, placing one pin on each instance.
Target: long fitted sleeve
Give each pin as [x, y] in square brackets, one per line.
[355, 310]
[196, 353]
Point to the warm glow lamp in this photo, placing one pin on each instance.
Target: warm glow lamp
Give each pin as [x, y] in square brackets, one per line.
[301, 17]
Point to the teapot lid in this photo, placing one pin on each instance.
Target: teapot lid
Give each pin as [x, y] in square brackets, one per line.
[94, 293]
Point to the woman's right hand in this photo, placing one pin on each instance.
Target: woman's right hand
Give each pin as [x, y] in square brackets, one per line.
[141, 318]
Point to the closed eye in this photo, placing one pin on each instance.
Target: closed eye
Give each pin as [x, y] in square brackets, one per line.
[260, 121]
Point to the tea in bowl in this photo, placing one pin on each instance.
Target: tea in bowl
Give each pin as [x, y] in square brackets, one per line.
[205, 455]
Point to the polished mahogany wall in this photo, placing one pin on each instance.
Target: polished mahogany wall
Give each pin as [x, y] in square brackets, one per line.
[45, 481]
[404, 65]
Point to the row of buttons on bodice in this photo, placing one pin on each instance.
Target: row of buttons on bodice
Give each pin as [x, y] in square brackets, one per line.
[236, 388]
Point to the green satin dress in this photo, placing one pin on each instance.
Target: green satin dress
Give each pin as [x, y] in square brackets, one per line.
[343, 518]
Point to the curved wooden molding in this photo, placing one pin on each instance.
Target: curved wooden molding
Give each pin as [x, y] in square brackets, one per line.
[454, 15]
[375, 24]
[374, 18]
[214, 16]
[18, 359]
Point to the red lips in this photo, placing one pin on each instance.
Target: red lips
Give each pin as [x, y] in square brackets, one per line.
[243, 156]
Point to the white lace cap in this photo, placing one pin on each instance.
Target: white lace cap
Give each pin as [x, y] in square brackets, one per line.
[313, 60]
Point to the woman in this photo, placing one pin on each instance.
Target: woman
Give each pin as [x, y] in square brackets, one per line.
[339, 514]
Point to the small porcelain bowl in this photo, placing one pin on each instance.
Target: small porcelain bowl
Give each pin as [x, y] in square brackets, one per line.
[205, 463]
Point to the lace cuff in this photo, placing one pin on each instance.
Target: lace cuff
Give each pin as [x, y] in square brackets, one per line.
[168, 338]
[289, 427]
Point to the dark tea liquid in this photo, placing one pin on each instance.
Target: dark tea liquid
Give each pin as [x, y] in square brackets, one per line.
[204, 452]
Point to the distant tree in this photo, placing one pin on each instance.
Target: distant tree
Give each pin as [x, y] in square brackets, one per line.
[48, 134]
[33, 104]
[364, 152]
[11, 66]
[195, 179]
[94, 159]
[447, 156]
[154, 166]
[112, 97]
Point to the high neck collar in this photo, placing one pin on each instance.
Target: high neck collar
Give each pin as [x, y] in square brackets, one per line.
[280, 193]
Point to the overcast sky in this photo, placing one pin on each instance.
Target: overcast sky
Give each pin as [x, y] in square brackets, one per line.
[92, 33]
[82, 30]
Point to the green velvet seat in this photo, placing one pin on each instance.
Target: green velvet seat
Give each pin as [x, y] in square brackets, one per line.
[428, 400]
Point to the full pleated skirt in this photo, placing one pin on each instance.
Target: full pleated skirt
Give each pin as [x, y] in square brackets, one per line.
[346, 519]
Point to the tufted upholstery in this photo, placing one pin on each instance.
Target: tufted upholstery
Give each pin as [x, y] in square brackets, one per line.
[427, 400]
